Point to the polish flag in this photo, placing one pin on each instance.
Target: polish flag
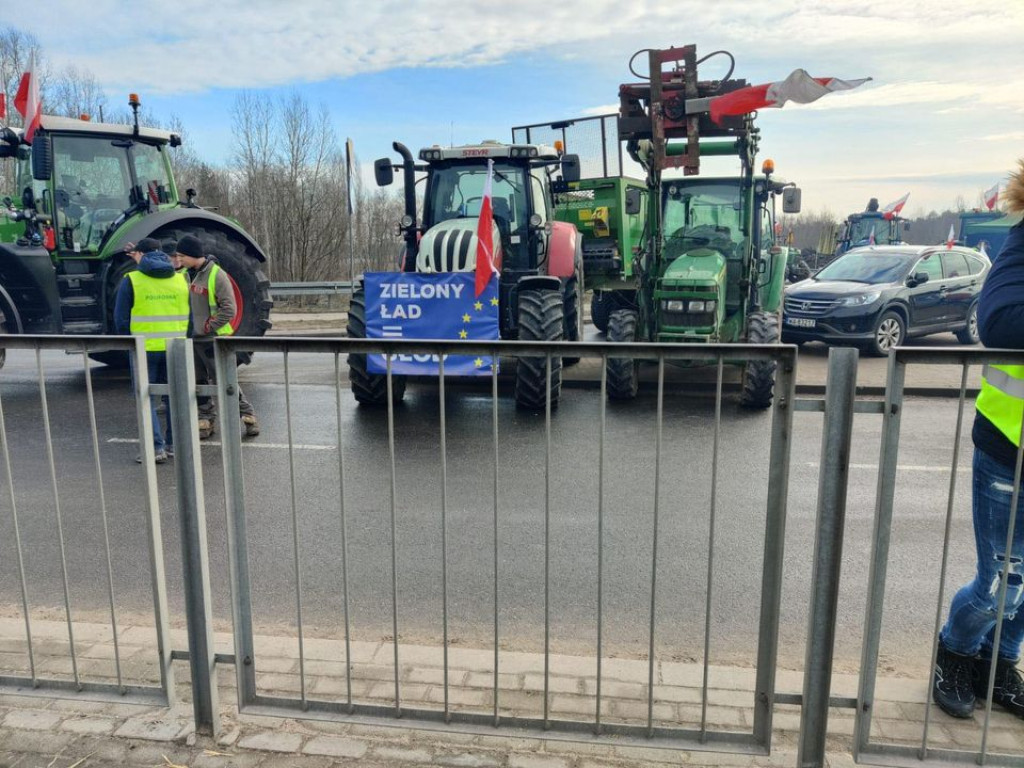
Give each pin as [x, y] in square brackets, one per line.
[3, 106]
[950, 240]
[485, 268]
[893, 209]
[871, 237]
[799, 87]
[27, 101]
[992, 196]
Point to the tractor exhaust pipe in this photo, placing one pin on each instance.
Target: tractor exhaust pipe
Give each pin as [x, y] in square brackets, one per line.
[409, 180]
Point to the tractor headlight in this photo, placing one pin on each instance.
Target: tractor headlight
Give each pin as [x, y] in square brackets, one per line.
[695, 306]
[673, 305]
[406, 221]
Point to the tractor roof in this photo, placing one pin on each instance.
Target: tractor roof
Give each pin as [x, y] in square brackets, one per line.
[73, 125]
[489, 149]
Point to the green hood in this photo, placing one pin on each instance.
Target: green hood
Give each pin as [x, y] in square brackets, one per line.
[699, 266]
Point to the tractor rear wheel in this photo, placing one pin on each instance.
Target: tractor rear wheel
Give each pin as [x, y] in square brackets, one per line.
[573, 304]
[368, 388]
[541, 318]
[759, 375]
[623, 372]
[3, 350]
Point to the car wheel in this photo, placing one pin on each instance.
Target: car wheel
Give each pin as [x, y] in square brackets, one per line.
[969, 333]
[889, 333]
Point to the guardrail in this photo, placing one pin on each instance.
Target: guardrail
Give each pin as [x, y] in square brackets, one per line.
[328, 288]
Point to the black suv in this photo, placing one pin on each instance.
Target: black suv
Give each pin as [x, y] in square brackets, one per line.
[875, 297]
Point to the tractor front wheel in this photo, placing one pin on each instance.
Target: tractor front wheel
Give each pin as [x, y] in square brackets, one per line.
[573, 304]
[368, 388]
[541, 318]
[759, 375]
[623, 372]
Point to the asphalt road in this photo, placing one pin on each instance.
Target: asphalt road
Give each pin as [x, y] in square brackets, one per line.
[629, 478]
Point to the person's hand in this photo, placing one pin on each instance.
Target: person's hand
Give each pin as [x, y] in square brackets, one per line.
[130, 247]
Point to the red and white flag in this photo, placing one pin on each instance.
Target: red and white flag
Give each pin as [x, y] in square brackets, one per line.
[871, 237]
[27, 101]
[3, 106]
[992, 196]
[893, 209]
[951, 239]
[799, 87]
[485, 268]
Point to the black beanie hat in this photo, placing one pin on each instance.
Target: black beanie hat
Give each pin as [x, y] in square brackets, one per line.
[189, 245]
[148, 245]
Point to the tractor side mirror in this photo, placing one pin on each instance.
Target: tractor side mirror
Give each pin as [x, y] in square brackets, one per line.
[570, 168]
[383, 172]
[632, 201]
[42, 158]
[791, 200]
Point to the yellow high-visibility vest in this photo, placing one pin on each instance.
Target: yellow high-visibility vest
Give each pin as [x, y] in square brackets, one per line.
[226, 329]
[160, 309]
[1001, 399]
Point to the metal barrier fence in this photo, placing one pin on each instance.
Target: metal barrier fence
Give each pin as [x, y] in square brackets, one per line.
[37, 682]
[326, 288]
[649, 729]
[866, 749]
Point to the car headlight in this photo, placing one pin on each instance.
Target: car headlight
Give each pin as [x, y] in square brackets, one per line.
[860, 299]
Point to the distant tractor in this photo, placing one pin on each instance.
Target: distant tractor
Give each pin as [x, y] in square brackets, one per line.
[541, 280]
[870, 227]
[84, 191]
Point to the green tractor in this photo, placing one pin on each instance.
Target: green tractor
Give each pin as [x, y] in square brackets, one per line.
[84, 191]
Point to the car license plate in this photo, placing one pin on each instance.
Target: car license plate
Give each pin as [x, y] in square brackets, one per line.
[801, 322]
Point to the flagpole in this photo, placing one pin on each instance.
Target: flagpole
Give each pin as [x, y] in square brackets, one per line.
[351, 210]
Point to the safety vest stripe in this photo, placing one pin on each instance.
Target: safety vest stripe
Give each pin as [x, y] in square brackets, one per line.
[1003, 381]
[159, 318]
[159, 334]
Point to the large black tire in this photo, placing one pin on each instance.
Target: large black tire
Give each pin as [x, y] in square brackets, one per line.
[3, 350]
[759, 375]
[968, 334]
[623, 372]
[541, 318]
[601, 307]
[368, 388]
[572, 305]
[890, 331]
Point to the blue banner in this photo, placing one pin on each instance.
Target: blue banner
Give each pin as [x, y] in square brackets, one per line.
[407, 305]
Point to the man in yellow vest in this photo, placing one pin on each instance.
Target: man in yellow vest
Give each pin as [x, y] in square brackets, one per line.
[215, 311]
[152, 302]
[967, 642]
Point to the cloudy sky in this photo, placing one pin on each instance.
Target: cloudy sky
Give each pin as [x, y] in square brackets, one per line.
[942, 117]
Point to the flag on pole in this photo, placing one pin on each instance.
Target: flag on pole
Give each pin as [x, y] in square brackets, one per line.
[871, 237]
[951, 239]
[349, 186]
[3, 106]
[992, 196]
[983, 249]
[799, 87]
[893, 209]
[485, 236]
[27, 101]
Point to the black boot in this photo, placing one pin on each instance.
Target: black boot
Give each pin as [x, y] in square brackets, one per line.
[953, 683]
[1009, 690]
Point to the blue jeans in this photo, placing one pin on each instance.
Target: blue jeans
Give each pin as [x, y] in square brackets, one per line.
[156, 365]
[971, 626]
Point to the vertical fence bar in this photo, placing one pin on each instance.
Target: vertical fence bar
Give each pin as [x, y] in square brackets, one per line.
[881, 534]
[394, 534]
[654, 546]
[1003, 587]
[297, 560]
[711, 552]
[57, 513]
[940, 603]
[237, 536]
[17, 542]
[600, 536]
[444, 529]
[344, 535]
[837, 434]
[547, 539]
[103, 515]
[774, 543]
[494, 428]
[195, 564]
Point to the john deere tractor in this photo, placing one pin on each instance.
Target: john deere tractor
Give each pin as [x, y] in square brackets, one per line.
[540, 285]
[84, 191]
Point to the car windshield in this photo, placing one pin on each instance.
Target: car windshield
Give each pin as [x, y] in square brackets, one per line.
[702, 215]
[860, 232]
[867, 266]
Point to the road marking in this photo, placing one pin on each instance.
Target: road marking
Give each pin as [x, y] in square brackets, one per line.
[899, 467]
[217, 444]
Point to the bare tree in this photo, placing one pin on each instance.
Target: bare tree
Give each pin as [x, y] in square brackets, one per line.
[73, 92]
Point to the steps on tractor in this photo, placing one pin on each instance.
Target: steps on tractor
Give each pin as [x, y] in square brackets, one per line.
[79, 292]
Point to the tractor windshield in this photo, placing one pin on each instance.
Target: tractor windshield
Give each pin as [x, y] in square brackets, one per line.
[92, 187]
[703, 215]
[861, 229]
[456, 191]
[151, 171]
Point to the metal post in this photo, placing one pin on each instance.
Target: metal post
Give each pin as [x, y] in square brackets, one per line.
[195, 566]
[840, 392]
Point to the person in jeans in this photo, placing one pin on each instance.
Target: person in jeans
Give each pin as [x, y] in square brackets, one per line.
[966, 642]
[152, 302]
[213, 313]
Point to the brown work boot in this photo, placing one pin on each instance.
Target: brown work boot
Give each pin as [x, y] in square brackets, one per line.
[252, 425]
[205, 428]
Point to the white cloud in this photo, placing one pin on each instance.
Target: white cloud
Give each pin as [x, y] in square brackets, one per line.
[604, 109]
[1011, 136]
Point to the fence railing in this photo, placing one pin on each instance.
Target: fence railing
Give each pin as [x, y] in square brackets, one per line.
[325, 288]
